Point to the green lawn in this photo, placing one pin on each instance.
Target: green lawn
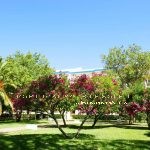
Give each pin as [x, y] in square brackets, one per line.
[102, 137]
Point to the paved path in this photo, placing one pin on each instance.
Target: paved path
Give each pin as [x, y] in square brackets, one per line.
[5, 130]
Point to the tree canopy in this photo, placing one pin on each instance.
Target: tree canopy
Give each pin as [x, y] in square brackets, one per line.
[131, 64]
[20, 69]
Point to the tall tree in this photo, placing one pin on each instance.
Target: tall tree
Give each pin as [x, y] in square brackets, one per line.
[107, 94]
[21, 68]
[131, 64]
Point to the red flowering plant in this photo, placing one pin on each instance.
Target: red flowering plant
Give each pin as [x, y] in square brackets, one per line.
[83, 89]
[107, 94]
[88, 110]
[48, 90]
[51, 93]
[67, 103]
[147, 104]
[20, 102]
[132, 109]
[137, 100]
[147, 99]
[44, 94]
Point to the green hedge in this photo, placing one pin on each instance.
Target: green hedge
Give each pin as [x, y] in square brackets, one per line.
[102, 117]
[140, 117]
[4, 117]
[39, 116]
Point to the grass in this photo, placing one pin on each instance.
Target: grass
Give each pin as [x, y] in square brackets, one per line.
[102, 137]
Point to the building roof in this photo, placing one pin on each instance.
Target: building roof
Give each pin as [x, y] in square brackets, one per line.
[80, 72]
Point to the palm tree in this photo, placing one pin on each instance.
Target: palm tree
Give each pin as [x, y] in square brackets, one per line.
[4, 98]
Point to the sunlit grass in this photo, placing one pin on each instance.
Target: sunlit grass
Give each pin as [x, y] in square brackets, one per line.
[102, 137]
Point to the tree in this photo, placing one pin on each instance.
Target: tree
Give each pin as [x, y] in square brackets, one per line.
[65, 104]
[132, 109]
[21, 101]
[107, 94]
[4, 97]
[47, 92]
[52, 92]
[134, 95]
[131, 64]
[147, 105]
[21, 68]
[83, 89]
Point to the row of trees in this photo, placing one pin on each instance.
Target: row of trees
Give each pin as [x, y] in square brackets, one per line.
[91, 95]
[96, 95]
[120, 89]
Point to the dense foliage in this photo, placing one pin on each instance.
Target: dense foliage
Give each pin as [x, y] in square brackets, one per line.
[18, 70]
[132, 67]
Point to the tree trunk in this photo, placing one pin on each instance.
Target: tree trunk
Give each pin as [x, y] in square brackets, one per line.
[80, 127]
[63, 117]
[35, 115]
[64, 133]
[95, 120]
[59, 127]
[28, 115]
[0, 108]
[130, 120]
[18, 115]
[148, 120]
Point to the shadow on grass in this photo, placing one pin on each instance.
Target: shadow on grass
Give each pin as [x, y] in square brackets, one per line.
[23, 121]
[75, 126]
[98, 127]
[7, 121]
[89, 127]
[57, 142]
[147, 134]
[131, 127]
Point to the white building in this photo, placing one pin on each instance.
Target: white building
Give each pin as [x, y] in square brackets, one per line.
[71, 73]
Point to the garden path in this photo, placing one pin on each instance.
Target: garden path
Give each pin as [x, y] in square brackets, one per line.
[14, 129]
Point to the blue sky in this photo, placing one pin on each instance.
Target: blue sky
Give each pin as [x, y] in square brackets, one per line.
[73, 33]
